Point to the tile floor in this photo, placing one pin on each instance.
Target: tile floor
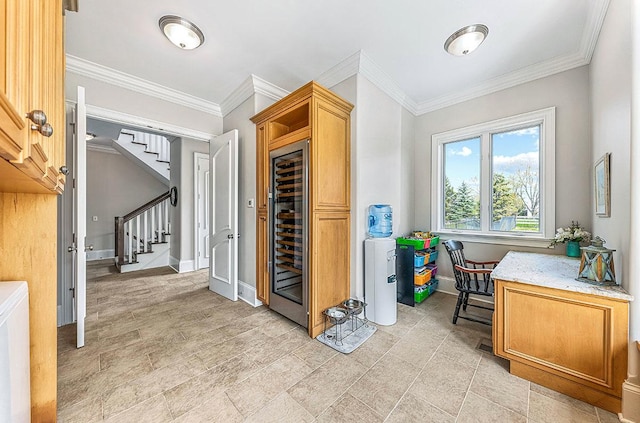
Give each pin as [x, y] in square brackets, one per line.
[160, 347]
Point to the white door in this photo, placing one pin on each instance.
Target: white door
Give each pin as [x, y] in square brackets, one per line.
[202, 210]
[80, 216]
[223, 192]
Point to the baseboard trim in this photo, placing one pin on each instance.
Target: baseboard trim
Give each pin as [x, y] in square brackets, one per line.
[630, 402]
[247, 293]
[182, 266]
[101, 254]
[187, 266]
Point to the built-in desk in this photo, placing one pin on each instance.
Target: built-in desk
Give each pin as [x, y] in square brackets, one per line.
[567, 335]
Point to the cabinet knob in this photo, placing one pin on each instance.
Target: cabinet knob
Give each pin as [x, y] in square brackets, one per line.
[46, 130]
[38, 117]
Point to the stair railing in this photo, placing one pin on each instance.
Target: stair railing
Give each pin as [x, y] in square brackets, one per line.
[136, 231]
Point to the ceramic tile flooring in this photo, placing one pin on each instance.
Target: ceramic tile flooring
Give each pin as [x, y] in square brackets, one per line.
[160, 347]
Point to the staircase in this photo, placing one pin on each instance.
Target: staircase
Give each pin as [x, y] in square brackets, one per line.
[149, 151]
[142, 236]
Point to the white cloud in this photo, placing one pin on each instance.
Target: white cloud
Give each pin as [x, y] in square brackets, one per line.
[466, 151]
[511, 164]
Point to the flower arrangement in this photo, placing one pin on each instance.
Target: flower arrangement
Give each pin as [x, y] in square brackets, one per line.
[575, 232]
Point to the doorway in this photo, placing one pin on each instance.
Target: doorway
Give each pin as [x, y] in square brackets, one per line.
[201, 201]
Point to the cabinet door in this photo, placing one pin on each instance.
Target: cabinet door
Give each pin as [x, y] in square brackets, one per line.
[14, 81]
[39, 160]
[331, 158]
[32, 78]
[330, 265]
[262, 258]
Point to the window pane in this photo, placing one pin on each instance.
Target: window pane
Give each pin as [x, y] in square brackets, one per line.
[462, 184]
[516, 180]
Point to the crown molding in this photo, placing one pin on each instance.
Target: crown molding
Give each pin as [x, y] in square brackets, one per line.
[266, 88]
[360, 63]
[343, 70]
[522, 76]
[141, 123]
[124, 80]
[252, 85]
[374, 73]
[594, 23]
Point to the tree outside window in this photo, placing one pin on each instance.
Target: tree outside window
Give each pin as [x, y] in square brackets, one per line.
[487, 178]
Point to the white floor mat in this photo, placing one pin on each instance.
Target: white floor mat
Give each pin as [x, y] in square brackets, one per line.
[346, 337]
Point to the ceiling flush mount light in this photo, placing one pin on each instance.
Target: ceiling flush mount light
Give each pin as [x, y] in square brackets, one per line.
[465, 40]
[181, 32]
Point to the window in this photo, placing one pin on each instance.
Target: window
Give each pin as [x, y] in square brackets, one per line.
[495, 181]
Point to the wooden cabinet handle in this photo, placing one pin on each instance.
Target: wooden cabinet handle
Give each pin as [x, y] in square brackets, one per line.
[46, 130]
[38, 117]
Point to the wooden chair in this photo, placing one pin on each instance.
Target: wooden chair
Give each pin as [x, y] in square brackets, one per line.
[472, 277]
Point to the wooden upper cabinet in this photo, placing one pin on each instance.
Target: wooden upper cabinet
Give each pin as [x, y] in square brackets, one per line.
[331, 156]
[14, 78]
[33, 79]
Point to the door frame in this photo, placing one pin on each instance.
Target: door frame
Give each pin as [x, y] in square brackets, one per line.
[65, 300]
[196, 208]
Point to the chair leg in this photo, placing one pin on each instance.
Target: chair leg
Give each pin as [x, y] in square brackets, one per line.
[466, 301]
[458, 304]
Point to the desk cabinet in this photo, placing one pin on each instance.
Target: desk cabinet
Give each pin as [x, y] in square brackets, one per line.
[567, 337]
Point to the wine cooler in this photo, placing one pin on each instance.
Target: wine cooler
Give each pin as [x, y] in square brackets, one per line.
[289, 232]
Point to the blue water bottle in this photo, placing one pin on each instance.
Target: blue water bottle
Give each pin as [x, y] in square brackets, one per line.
[380, 220]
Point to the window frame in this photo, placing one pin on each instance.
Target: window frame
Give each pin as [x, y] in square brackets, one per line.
[546, 119]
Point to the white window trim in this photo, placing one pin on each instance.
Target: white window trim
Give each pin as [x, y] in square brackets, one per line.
[547, 119]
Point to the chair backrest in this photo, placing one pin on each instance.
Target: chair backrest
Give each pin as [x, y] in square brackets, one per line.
[456, 254]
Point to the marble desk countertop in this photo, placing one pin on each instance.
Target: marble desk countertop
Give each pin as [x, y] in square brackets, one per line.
[551, 271]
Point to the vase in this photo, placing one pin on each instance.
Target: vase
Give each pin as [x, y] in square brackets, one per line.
[573, 249]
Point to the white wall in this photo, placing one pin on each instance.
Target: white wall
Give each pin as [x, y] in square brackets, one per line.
[381, 144]
[569, 93]
[611, 87]
[119, 99]
[115, 187]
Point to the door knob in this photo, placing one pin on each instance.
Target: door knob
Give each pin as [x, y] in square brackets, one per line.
[72, 249]
[89, 248]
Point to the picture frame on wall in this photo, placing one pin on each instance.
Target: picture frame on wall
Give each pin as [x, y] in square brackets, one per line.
[602, 186]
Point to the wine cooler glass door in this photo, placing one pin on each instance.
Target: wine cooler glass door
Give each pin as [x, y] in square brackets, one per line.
[288, 217]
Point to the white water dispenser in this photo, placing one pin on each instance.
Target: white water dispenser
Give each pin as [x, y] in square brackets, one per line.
[380, 292]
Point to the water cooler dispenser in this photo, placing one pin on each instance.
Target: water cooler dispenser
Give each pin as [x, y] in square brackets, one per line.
[380, 292]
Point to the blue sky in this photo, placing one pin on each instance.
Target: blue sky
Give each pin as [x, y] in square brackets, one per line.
[512, 150]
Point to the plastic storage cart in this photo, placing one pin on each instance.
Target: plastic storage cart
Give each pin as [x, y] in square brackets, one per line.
[416, 269]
